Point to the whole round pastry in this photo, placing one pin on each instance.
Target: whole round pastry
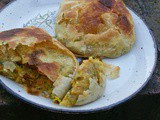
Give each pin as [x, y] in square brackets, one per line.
[98, 28]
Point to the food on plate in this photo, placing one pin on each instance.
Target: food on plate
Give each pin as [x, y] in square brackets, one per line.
[32, 58]
[98, 28]
[43, 66]
[89, 82]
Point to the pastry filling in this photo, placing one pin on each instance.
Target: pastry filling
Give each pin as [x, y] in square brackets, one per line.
[28, 76]
[92, 70]
[40, 78]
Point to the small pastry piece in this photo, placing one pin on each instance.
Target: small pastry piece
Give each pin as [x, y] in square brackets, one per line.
[97, 28]
[88, 84]
[32, 58]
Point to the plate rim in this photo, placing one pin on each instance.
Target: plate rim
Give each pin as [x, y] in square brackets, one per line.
[105, 108]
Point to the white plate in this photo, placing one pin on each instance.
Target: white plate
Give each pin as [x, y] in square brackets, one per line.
[136, 67]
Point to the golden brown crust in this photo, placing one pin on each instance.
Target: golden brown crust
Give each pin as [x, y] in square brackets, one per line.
[32, 50]
[50, 69]
[80, 23]
[37, 33]
[10, 33]
[90, 19]
[125, 25]
[26, 36]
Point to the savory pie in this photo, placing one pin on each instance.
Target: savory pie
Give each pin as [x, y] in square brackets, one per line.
[97, 28]
[89, 82]
[32, 58]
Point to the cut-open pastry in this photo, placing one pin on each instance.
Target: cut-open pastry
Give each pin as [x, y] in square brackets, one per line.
[89, 82]
[32, 58]
[43, 66]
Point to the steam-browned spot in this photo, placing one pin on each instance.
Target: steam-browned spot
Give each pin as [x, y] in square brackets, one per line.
[124, 24]
[34, 57]
[51, 70]
[90, 18]
[39, 34]
[10, 33]
[25, 32]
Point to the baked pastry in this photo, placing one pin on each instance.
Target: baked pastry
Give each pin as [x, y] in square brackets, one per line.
[89, 82]
[98, 28]
[32, 58]
[43, 66]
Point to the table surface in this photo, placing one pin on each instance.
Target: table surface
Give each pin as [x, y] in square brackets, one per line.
[149, 10]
